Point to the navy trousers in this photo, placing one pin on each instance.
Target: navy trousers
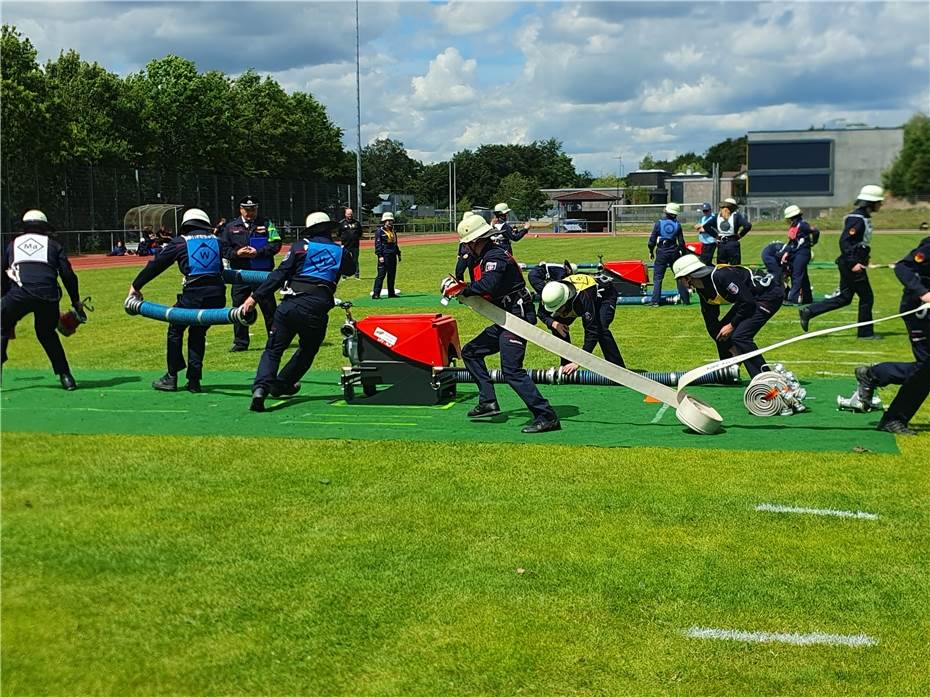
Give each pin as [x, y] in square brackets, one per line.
[918, 331]
[208, 297]
[305, 317]
[800, 281]
[16, 304]
[387, 269]
[728, 251]
[240, 332]
[852, 283]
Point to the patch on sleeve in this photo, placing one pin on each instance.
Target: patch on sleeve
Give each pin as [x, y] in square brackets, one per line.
[919, 257]
[490, 266]
[851, 231]
[733, 288]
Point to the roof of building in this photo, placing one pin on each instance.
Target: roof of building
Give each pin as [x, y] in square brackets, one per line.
[585, 195]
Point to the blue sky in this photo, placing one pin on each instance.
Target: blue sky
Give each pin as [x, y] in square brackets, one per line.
[607, 79]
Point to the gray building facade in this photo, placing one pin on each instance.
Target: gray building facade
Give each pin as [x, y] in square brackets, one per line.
[818, 168]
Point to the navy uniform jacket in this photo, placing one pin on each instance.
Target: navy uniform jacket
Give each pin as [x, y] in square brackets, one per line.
[350, 232]
[465, 260]
[914, 273]
[772, 254]
[586, 304]
[804, 236]
[34, 261]
[238, 233]
[676, 239]
[506, 235]
[386, 243]
[739, 226]
[737, 286]
[500, 279]
[856, 238]
[291, 269]
[177, 251]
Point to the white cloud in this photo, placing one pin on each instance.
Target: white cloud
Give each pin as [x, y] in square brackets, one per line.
[460, 18]
[447, 82]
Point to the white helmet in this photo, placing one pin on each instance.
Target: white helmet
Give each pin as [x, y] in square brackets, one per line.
[729, 203]
[554, 295]
[673, 209]
[690, 265]
[472, 227]
[387, 216]
[35, 218]
[319, 223]
[792, 211]
[502, 208]
[195, 217]
[871, 192]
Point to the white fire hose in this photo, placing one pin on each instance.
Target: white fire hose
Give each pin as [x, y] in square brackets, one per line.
[691, 411]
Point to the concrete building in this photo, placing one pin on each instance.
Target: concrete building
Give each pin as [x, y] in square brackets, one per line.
[818, 168]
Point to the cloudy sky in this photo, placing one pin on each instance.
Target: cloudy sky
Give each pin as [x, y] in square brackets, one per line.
[616, 79]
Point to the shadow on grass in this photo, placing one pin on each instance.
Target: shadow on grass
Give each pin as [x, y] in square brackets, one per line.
[108, 382]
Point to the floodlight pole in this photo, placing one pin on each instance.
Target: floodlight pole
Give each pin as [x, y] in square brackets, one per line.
[358, 124]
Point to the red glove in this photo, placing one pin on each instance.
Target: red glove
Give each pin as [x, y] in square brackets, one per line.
[450, 287]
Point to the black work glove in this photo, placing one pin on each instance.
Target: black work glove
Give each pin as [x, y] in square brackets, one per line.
[652, 253]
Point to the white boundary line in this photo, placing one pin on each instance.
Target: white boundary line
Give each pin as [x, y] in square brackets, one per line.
[852, 640]
[659, 414]
[775, 508]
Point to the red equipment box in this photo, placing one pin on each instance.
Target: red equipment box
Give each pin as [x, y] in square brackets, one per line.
[632, 271]
[431, 339]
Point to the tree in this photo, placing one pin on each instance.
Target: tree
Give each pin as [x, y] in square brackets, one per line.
[28, 132]
[730, 154]
[522, 194]
[909, 174]
[92, 107]
[386, 167]
[611, 181]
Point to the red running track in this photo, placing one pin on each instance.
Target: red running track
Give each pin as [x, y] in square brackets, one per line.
[101, 261]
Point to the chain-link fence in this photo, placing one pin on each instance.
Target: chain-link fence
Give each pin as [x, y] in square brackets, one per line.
[89, 203]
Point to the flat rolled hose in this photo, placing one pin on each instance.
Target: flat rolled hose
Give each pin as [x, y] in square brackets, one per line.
[245, 277]
[763, 396]
[187, 316]
[698, 415]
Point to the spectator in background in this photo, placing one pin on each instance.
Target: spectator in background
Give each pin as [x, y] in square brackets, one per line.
[145, 244]
[350, 234]
[218, 228]
[119, 249]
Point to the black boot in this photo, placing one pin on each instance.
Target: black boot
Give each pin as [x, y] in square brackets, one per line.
[258, 399]
[543, 425]
[895, 426]
[67, 382]
[284, 389]
[193, 386]
[166, 383]
[484, 409]
[866, 388]
[804, 315]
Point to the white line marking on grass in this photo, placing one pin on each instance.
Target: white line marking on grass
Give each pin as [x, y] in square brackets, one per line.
[859, 352]
[351, 423]
[836, 375]
[775, 508]
[659, 414]
[853, 640]
[826, 361]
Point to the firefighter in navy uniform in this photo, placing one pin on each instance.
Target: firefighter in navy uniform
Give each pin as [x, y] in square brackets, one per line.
[309, 274]
[730, 226]
[852, 263]
[594, 300]
[251, 242]
[501, 282]
[32, 264]
[668, 237]
[538, 276]
[199, 256]
[914, 273]
[388, 252]
[801, 238]
[755, 300]
[506, 235]
[350, 234]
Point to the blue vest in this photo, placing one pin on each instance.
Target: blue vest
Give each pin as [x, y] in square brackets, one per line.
[703, 237]
[203, 255]
[668, 229]
[322, 261]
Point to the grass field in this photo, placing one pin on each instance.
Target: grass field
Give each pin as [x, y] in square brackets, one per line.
[179, 544]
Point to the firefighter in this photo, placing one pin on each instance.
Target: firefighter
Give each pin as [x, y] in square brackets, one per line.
[667, 235]
[250, 242]
[707, 237]
[32, 264]
[506, 235]
[914, 273]
[801, 239]
[591, 298]
[309, 274]
[731, 226]
[853, 262]
[199, 255]
[755, 299]
[501, 282]
[350, 234]
[388, 252]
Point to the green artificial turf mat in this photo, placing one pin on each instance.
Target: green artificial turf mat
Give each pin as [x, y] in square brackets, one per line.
[404, 300]
[123, 402]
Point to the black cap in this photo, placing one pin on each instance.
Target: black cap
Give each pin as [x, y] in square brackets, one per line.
[248, 202]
